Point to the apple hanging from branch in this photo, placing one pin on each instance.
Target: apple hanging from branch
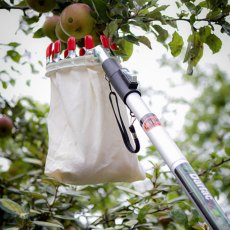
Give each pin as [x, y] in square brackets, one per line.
[76, 20]
[49, 27]
[6, 126]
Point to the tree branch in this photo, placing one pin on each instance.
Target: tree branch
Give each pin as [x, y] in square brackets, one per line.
[23, 8]
[187, 20]
[214, 166]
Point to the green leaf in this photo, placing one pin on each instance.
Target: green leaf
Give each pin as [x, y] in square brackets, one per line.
[179, 216]
[34, 212]
[214, 155]
[131, 223]
[211, 4]
[11, 207]
[214, 15]
[145, 41]
[100, 7]
[149, 176]
[227, 150]
[13, 44]
[176, 44]
[34, 195]
[128, 190]
[192, 19]
[40, 63]
[214, 43]
[33, 70]
[3, 4]
[140, 2]
[22, 3]
[51, 181]
[31, 20]
[111, 28]
[191, 7]
[155, 16]
[204, 32]
[143, 212]
[162, 33]
[39, 33]
[214, 4]
[28, 82]
[139, 23]
[3, 72]
[200, 226]
[194, 50]
[132, 39]
[203, 4]
[195, 216]
[15, 70]
[161, 8]
[65, 217]
[12, 82]
[4, 84]
[47, 224]
[178, 4]
[171, 22]
[226, 28]
[178, 199]
[156, 13]
[125, 49]
[33, 161]
[14, 55]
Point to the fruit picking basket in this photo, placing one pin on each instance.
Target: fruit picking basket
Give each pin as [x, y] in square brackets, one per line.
[85, 145]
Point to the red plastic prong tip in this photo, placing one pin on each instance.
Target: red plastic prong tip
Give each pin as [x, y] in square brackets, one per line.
[113, 46]
[52, 54]
[71, 43]
[66, 53]
[57, 46]
[49, 50]
[82, 52]
[104, 41]
[89, 44]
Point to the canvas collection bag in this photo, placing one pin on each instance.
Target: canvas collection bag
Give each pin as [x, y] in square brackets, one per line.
[85, 144]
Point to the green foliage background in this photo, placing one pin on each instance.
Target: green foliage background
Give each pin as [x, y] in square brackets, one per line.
[29, 200]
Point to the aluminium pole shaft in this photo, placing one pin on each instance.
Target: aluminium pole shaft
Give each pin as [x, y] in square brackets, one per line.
[176, 161]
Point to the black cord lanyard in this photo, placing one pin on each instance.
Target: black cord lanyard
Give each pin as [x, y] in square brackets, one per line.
[122, 127]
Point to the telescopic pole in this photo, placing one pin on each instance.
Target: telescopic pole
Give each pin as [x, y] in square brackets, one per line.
[186, 176]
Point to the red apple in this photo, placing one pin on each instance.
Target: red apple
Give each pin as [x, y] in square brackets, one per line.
[6, 126]
[49, 27]
[60, 33]
[76, 20]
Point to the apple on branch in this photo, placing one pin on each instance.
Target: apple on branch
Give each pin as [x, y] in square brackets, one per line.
[6, 126]
[60, 33]
[49, 27]
[76, 20]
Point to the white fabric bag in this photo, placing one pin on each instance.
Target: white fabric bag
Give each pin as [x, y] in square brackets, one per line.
[85, 144]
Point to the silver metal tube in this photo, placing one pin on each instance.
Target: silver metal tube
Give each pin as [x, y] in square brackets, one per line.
[101, 53]
[195, 189]
[158, 135]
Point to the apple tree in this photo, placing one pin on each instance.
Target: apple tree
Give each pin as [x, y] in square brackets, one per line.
[30, 200]
[128, 22]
